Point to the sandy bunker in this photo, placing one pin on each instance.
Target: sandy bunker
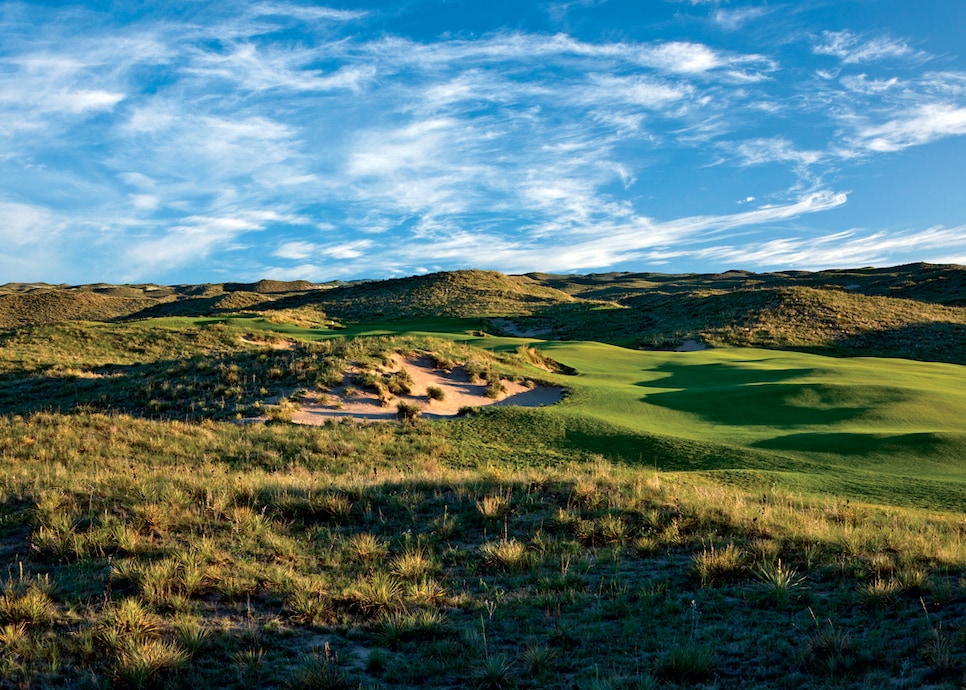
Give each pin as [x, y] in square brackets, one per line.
[458, 392]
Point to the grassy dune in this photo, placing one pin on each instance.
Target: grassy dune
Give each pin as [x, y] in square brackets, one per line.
[729, 518]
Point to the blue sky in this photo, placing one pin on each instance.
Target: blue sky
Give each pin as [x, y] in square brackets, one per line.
[187, 142]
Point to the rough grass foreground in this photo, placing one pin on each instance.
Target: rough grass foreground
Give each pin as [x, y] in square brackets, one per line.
[148, 554]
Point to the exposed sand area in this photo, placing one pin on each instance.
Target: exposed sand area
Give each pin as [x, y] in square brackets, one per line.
[508, 327]
[458, 392]
[691, 346]
[273, 344]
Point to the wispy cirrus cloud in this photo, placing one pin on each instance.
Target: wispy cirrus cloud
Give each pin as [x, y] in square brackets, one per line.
[918, 125]
[853, 49]
[592, 246]
[273, 138]
[847, 249]
[775, 150]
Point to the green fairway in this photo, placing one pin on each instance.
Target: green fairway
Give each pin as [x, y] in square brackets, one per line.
[863, 425]
[876, 429]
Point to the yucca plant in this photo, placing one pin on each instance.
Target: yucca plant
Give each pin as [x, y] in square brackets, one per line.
[140, 660]
[191, 634]
[494, 506]
[493, 672]
[913, 580]
[880, 593]
[128, 620]
[366, 547]
[537, 659]
[376, 596]
[397, 627]
[779, 582]
[25, 602]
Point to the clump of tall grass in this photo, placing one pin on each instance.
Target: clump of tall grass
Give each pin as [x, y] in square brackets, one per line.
[507, 555]
[26, 599]
[716, 566]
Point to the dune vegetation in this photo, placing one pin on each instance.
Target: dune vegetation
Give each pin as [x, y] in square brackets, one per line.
[733, 517]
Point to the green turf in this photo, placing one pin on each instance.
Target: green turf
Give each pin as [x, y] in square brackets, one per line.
[876, 429]
[884, 430]
[861, 425]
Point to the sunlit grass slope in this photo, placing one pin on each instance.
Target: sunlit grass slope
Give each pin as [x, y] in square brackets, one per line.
[880, 429]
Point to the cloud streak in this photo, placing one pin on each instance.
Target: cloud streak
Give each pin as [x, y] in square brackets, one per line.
[272, 138]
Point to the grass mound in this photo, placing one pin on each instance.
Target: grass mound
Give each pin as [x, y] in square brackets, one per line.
[268, 287]
[460, 294]
[50, 306]
[828, 320]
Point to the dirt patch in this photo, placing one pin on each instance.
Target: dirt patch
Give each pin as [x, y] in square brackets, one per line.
[281, 344]
[691, 346]
[508, 327]
[457, 392]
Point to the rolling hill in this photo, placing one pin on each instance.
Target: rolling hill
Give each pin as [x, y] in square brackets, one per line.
[757, 514]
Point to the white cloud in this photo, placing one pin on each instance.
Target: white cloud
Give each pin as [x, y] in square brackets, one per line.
[862, 84]
[189, 242]
[843, 249]
[679, 56]
[144, 202]
[852, 49]
[296, 250]
[266, 69]
[414, 146]
[304, 13]
[775, 150]
[606, 244]
[347, 250]
[635, 90]
[734, 19]
[25, 224]
[920, 125]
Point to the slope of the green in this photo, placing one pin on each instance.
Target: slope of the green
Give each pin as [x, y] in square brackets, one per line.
[877, 423]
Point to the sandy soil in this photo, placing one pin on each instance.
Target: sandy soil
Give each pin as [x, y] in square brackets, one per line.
[509, 327]
[691, 346]
[274, 344]
[317, 408]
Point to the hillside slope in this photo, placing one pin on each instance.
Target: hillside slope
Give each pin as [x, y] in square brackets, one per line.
[827, 312]
[462, 294]
[916, 311]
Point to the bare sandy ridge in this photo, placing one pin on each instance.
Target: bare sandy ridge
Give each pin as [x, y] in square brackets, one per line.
[458, 391]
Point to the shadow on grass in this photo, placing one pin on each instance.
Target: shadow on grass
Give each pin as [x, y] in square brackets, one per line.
[742, 396]
[923, 444]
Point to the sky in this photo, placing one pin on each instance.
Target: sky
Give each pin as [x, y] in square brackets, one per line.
[193, 142]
